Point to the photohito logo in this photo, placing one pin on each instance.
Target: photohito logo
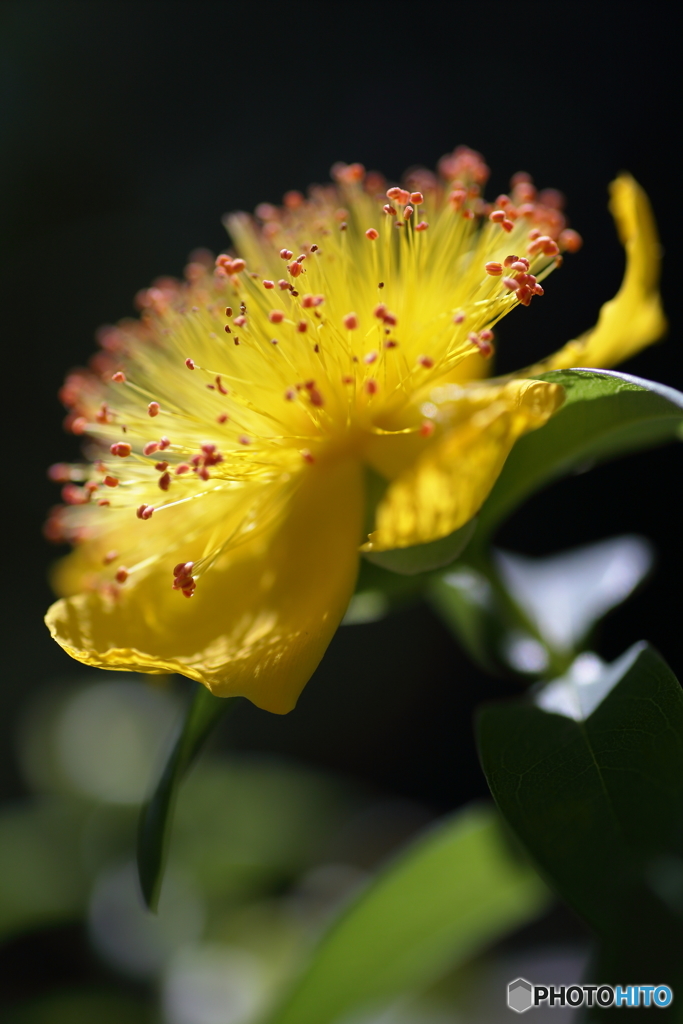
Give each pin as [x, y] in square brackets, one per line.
[522, 995]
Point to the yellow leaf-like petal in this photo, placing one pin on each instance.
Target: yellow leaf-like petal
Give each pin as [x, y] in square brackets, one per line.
[634, 317]
[449, 482]
[258, 624]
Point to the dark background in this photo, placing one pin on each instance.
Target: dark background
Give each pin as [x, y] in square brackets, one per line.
[128, 129]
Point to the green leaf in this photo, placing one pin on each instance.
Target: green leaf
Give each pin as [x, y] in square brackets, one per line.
[424, 557]
[605, 414]
[451, 893]
[156, 817]
[589, 775]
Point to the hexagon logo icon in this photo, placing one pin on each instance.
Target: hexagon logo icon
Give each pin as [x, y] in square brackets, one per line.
[520, 995]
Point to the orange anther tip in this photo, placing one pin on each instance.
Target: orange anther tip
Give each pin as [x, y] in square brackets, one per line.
[189, 363]
[276, 316]
[427, 429]
[119, 377]
[371, 387]
[307, 456]
[571, 241]
[417, 198]
[153, 409]
[372, 234]
[426, 361]
[121, 575]
[422, 226]
[110, 481]
[286, 254]
[494, 269]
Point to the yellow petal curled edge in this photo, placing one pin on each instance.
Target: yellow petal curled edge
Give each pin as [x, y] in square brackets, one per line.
[258, 625]
[450, 481]
[634, 317]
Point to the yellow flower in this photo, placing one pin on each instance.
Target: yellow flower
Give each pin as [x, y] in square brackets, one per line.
[230, 426]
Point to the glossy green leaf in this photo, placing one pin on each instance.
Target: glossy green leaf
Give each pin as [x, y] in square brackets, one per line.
[451, 893]
[156, 817]
[605, 414]
[589, 775]
[425, 557]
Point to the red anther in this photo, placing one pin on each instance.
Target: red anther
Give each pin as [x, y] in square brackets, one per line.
[511, 283]
[119, 377]
[243, 439]
[163, 443]
[237, 266]
[553, 198]
[525, 295]
[121, 448]
[283, 285]
[426, 361]
[110, 481]
[274, 341]
[422, 226]
[494, 269]
[486, 349]
[72, 495]
[104, 415]
[110, 557]
[59, 473]
[343, 226]
[226, 328]
[459, 318]
[408, 213]
[507, 225]
[302, 327]
[223, 418]
[486, 335]
[182, 467]
[153, 409]
[307, 456]
[183, 569]
[228, 310]
[427, 429]
[380, 311]
[416, 198]
[538, 290]
[203, 473]
[103, 501]
[551, 248]
[121, 574]
[301, 258]
[208, 448]
[570, 241]
[293, 199]
[348, 174]
[509, 260]
[161, 467]
[268, 284]
[286, 254]
[347, 380]
[521, 263]
[165, 481]
[276, 316]
[389, 210]
[219, 384]
[498, 216]
[150, 448]
[290, 394]
[394, 193]
[503, 201]
[457, 197]
[189, 363]
[294, 268]
[534, 234]
[91, 486]
[391, 343]
[312, 301]
[372, 234]
[391, 319]
[240, 321]
[316, 398]
[370, 358]
[211, 387]
[314, 248]
[371, 387]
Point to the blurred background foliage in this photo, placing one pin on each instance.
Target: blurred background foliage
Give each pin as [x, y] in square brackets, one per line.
[127, 131]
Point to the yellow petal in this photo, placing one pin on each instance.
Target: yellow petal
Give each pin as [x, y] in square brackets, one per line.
[634, 317]
[258, 625]
[449, 482]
